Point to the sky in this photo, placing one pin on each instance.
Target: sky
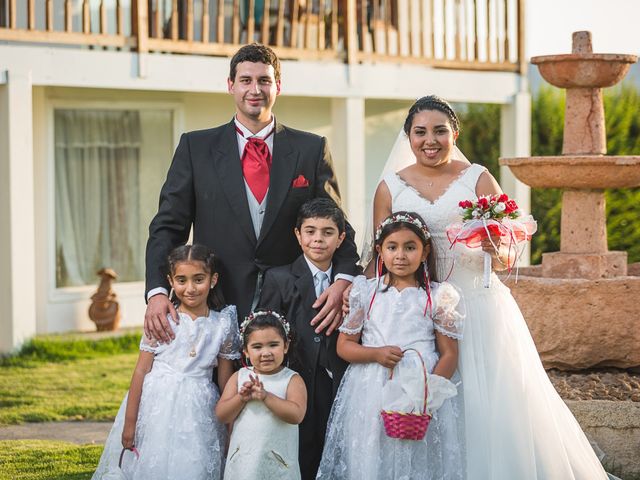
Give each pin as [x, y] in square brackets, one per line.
[614, 24]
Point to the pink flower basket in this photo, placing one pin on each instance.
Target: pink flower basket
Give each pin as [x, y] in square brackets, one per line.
[408, 425]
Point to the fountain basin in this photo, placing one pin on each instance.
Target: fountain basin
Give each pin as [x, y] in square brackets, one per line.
[580, 323]
[584, 70]
[576, 171]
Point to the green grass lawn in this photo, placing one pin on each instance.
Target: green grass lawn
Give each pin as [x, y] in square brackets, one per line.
[61, 377]
[39, 460]
[66, 378]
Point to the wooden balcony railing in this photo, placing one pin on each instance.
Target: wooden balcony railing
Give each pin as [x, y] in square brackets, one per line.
[463, 34]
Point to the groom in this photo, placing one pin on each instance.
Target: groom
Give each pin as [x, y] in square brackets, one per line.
[240, 186]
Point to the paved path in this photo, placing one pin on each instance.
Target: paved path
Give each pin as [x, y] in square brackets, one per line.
[75, 432]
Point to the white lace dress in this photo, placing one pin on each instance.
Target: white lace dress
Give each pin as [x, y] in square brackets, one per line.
[263, 447]
[517, 427]
[356, 446]
[177, 433]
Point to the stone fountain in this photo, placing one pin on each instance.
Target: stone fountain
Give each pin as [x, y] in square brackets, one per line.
[582, 304]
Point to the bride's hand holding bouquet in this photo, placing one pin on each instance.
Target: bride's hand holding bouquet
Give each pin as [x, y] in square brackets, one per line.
[491, 222]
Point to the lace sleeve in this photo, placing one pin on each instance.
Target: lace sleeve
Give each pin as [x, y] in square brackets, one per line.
[230, 348]
[353, 323]
[153, 346]
[448, 310]
[148, 345]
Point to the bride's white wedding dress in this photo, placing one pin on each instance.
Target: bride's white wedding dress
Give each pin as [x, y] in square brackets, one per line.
[517, 426]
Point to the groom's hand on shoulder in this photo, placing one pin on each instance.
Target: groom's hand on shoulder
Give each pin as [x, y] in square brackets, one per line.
[330, 316]
[156, 325]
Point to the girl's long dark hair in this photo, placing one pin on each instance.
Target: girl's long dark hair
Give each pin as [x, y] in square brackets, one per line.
[198, 253]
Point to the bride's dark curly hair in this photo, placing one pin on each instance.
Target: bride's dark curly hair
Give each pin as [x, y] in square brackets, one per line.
[432, 102]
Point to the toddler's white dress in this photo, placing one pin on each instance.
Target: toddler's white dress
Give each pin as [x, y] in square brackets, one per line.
[177, 433]
[517, 426]
[357, 447]
[263, 447]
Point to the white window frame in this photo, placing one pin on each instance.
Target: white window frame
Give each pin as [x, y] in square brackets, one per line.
[57, 294]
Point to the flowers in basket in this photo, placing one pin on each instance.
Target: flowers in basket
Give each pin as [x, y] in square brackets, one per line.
[490, 217]
[410, 398]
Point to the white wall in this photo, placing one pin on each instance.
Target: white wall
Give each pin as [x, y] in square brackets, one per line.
[17, 237]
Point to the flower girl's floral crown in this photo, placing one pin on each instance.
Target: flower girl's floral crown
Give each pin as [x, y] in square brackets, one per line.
[405, 218]
[264, 313]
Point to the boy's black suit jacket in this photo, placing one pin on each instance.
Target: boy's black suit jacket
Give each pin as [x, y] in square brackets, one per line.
[205, 188]
[290, 290]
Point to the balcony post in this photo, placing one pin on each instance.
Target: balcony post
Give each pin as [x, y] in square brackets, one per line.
[351, 30]
[140, 29]
[522, 59]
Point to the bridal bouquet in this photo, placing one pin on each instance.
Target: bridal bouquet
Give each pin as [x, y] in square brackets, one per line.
[492, 216]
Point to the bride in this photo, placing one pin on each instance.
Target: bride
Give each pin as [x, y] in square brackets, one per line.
[517, 427]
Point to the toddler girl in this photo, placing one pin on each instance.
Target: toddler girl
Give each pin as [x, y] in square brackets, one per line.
[167, 417]
[265, 402]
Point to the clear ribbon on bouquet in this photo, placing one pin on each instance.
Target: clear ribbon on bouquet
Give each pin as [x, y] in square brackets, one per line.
[472, 232]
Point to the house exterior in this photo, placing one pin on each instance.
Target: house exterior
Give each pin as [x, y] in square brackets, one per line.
[95, 93]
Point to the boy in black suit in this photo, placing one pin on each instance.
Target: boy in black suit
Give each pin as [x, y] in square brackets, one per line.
[293, 289]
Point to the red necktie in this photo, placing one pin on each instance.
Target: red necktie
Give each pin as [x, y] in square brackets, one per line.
[256, 165]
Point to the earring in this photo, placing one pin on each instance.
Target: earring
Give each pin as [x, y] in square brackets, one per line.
[171, 293]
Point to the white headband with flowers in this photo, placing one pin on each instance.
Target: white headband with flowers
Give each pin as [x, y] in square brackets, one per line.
[402, 217]
[263, 313]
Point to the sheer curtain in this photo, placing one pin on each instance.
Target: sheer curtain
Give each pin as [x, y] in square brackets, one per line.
[97, 199]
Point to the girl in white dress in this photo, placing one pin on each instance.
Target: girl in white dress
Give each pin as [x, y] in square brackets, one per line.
[517, 426]
[401, 310]
[265, 403]
[167, 417]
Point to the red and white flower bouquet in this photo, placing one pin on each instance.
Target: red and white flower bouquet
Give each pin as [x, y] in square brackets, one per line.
[492, 216]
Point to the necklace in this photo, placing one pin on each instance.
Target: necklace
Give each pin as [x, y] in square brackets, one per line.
[193, 352]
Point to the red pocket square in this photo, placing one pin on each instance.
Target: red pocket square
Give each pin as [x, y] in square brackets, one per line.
[300, 182]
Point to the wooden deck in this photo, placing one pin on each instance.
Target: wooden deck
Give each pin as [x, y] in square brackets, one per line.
[454, 34]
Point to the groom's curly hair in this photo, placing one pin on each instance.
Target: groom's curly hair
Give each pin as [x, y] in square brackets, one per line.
[255, 53]
[432, 102]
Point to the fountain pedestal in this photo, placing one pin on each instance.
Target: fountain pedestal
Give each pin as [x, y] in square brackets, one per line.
[583, 243]
[580, 304]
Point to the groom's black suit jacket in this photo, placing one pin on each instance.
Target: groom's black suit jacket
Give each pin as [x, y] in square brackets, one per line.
[205, 188]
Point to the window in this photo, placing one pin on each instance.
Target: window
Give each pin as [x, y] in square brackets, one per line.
[109, 167]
